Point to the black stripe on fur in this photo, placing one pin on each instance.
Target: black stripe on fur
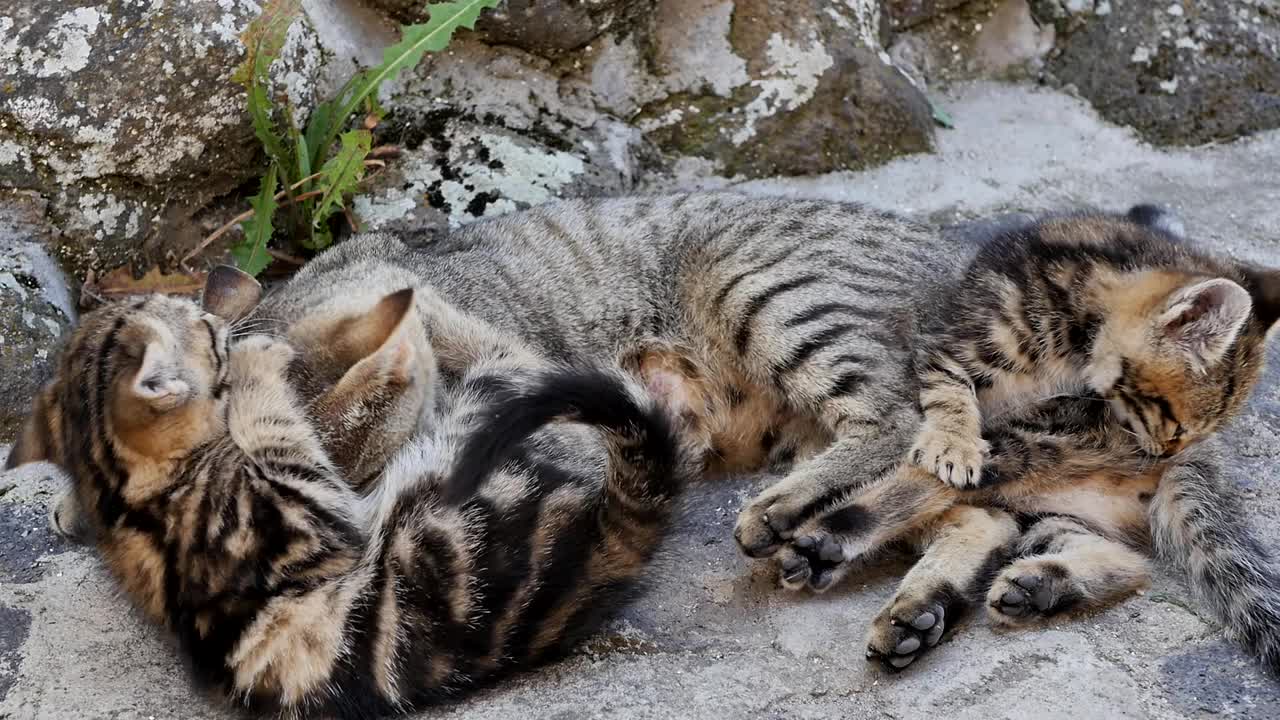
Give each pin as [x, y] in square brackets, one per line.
[585, 395]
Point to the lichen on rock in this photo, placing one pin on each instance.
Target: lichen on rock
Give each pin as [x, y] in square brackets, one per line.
[114, 112]
[35, 307]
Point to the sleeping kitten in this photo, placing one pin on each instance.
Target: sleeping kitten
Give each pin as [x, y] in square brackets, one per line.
[214, 503]
[1089, 302]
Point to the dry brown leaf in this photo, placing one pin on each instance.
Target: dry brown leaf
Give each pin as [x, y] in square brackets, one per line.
[121, 283]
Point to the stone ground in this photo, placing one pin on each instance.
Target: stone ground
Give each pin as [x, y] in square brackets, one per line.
[715, 638]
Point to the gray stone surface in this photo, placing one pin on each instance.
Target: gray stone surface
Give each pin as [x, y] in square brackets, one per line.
[1179, 72]
[732, 87]
[35, 307]
[781, 88]
[124, 117]
[715, 638]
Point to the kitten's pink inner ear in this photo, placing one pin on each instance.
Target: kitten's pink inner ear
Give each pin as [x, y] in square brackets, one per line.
[395, 313]
[156, 381]
[1204, 319]
[230, 293]
[376, 329]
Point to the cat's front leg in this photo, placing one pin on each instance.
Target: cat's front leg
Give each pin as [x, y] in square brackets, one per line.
[814, 490]
[950, 443]
[263, 414]
[859, 524]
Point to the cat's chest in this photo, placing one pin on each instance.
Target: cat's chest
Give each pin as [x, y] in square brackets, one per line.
[1013, 392]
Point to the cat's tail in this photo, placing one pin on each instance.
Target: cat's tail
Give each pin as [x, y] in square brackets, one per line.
[1198, 522]
[649, 462]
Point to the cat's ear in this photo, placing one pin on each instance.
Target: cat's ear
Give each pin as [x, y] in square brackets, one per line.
[379, 399]
[230, 293]
[1264, 288]
[35, 442]
[383, 336]
[157, 382]
[1204, 318]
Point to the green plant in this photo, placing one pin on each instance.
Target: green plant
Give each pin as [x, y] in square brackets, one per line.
[314, 170]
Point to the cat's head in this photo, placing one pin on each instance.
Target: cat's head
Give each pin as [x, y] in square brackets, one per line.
[1183, 342]
[140, 383]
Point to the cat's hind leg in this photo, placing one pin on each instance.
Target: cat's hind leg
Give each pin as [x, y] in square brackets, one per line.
[861, 522]
[1064, 567]
[962, 550]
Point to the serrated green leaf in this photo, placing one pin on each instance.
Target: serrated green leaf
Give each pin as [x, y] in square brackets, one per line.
[264, 38]
[251, 254]
[415, 41]
[318, 124]
[263, 126]
[342, 174]
[304, 158]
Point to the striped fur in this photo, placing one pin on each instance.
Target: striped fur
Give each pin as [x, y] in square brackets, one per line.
[474, 553]
[1172, 337]
[1195, 519]
[801, 317]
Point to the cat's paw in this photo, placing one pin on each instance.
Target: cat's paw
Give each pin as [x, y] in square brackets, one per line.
[259, 355]
[906, 628]
[1031, 589]
[956, 458]
[814, 560]
[768, 522]
[67, 520]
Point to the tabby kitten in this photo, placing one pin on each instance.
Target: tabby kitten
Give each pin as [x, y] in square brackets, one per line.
[215, 504]
[1121, 308]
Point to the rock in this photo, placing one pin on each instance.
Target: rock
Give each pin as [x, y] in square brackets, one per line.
[978, 39]
[1178, 72]
[118, 113]
[486, 130]
[123, 118]
[35, 308]
[755, 87]
[549, 28]
[762, 87]
[903, 14]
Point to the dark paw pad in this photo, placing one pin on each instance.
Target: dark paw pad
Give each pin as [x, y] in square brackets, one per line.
[900, 636]
[816, 561]
[1022, 594]
[1025, 594]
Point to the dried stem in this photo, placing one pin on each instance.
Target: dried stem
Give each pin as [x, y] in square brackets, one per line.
[286, 257]
[205, 243]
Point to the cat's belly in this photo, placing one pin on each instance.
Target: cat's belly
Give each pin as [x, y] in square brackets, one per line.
[1113, 503]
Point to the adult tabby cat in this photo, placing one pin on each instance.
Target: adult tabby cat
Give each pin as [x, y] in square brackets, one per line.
[803, 317]
[213, 501]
